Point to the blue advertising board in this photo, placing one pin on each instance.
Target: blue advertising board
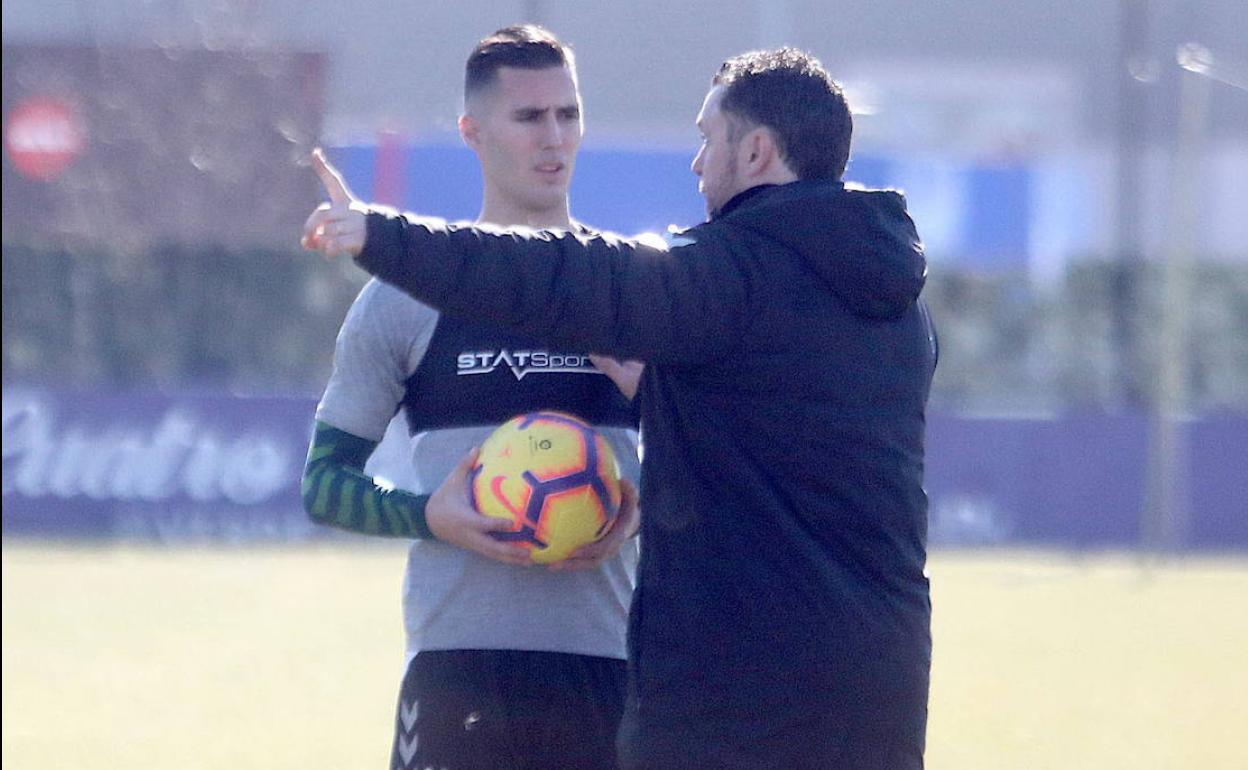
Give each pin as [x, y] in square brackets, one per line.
[225, 468]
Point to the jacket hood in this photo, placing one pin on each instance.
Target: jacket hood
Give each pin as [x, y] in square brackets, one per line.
[860, 243]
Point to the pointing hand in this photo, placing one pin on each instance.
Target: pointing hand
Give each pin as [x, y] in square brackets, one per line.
[337, 227]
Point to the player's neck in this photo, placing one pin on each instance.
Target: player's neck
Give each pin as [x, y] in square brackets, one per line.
[506, 214]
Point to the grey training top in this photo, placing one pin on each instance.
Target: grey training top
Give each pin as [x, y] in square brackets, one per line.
[454, 598]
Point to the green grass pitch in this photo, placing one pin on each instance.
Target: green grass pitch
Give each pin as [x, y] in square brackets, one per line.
[117, 659]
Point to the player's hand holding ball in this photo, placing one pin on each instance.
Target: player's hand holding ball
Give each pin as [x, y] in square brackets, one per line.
[452, 519]
[622, 528]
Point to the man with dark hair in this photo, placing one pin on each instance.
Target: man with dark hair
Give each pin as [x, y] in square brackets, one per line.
[527, 46]
[509, 665]
[797, 99]
[782, 612]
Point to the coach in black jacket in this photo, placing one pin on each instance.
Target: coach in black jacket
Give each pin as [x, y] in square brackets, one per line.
[782, 613]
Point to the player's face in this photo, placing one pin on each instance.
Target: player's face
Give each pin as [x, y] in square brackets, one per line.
[527, 131]
[716, 161]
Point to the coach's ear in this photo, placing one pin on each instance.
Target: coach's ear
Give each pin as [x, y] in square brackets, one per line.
[757, 152]
[469, 130]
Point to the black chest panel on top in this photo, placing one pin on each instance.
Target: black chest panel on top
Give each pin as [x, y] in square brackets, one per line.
[477, 374]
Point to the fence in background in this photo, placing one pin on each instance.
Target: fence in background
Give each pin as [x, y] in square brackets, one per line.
[181, 317]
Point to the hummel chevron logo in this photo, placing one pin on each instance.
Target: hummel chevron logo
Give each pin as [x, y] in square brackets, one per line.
[407, 749]
[408, 715]
[523, 362]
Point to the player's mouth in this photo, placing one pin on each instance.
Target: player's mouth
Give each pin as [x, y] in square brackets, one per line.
[550, 170]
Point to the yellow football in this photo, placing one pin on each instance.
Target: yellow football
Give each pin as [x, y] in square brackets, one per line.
[554, 477]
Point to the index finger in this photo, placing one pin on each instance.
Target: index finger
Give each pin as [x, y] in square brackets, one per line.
[331, 178]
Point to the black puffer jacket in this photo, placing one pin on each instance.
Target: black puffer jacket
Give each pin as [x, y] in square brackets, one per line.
[784, 521]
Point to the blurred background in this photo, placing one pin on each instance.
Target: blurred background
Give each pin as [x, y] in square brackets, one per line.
[1079, 173]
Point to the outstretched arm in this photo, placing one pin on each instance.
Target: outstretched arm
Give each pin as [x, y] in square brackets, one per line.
[614, 296]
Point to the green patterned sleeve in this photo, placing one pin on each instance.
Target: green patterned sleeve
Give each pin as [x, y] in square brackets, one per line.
[337, 493]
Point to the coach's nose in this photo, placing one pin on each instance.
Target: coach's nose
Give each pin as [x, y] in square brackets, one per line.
[696, 166]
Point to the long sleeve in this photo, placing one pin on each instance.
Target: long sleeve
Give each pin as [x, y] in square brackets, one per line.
[601, 293]
[336, 491]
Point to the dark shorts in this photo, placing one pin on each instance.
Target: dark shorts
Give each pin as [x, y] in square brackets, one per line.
[508, 710]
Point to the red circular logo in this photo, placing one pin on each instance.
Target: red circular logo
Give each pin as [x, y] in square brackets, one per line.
[43, 135]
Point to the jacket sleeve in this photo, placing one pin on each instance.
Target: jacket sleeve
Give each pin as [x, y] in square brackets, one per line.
[602, 293]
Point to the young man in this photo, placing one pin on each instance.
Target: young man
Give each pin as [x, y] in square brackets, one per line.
[782, 613]
[510, 665]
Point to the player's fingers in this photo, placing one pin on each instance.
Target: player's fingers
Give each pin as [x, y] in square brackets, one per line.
[335, 187]
[480, 525]
[586, 557]
[583, 558]
[459, 477]
[466, 463]
[505, 552]
[483, 523]
[593, 554]
[628, 495]
[620, 529]
[629, 512]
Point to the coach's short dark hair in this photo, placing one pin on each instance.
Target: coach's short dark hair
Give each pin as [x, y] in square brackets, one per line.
[790, 92]
[525, 46]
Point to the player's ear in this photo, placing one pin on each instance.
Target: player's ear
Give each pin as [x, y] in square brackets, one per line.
[469, 130]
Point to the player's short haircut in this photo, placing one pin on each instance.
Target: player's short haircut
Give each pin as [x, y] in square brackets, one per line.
[525, 46]
[789, 92]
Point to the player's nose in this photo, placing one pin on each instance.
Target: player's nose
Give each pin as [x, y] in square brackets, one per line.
[553, 134]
